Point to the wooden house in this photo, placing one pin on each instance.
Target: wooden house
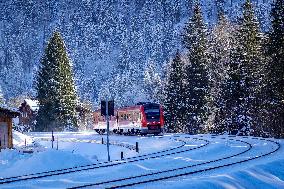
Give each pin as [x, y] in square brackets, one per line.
[28, 110]
[6, 116]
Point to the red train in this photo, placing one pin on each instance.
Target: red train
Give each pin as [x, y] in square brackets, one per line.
[141, 119]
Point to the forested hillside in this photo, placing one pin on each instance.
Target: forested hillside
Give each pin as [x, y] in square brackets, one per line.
[114, 44]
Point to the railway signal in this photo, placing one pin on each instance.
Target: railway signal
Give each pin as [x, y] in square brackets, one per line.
[110, 110]
[107, 109]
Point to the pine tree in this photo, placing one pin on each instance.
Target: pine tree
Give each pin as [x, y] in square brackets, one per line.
[55, 89]
[196, 73]
[245, 77]
[222, 42]
[276, 71]
[173, 96]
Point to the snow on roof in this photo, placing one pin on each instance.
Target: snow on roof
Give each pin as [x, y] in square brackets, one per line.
[33, 104]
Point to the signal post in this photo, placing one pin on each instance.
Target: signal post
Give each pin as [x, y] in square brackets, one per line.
[107, 109]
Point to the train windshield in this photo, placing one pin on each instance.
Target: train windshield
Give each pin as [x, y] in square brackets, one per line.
[152, 112]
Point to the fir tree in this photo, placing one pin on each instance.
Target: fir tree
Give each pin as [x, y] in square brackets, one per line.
[276, 71]
[55, 89]
[173, 95]
[196, 74]
[222, 42]
[245, 77]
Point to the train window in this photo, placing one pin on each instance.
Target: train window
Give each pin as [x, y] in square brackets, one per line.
[135, 116]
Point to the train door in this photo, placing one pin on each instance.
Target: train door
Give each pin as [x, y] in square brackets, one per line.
[3, 135]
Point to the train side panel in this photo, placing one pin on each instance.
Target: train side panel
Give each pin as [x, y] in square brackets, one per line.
[129, 120]
[100, 125]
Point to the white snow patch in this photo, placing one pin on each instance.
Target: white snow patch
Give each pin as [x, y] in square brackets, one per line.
[33, 104]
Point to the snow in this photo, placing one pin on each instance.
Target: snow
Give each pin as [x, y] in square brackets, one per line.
[83, 148]
[33, 104]
[270, 175]
[19, 139]
[51, 159]
[15, 162]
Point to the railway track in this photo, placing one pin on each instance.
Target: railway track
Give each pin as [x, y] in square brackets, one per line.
[171, 151]
[115, 143]
[175, 172]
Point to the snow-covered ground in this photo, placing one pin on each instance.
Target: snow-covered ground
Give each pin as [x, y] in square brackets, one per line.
[183, 154]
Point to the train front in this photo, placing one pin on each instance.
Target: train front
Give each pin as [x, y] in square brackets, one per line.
[153, 119]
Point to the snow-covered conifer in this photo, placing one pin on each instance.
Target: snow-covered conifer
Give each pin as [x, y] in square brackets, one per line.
[222, 42]
[244, 81]
[173, 101]
[275, 82]
[196, 81]
[55, 88]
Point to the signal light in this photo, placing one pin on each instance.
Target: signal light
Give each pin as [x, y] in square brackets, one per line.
[110, 108]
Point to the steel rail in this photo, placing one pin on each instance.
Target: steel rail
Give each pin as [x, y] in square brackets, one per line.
[181, 168]
[101, 164]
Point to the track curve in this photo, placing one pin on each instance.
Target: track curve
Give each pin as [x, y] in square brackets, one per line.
[143, 157]
[182, 168]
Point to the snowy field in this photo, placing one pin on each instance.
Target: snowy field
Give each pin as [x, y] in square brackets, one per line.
[169, 161]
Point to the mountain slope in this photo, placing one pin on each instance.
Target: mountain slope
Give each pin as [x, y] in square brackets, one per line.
[103, 37]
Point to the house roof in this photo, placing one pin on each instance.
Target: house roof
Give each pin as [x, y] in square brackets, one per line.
[4, 109]
[33, 104]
